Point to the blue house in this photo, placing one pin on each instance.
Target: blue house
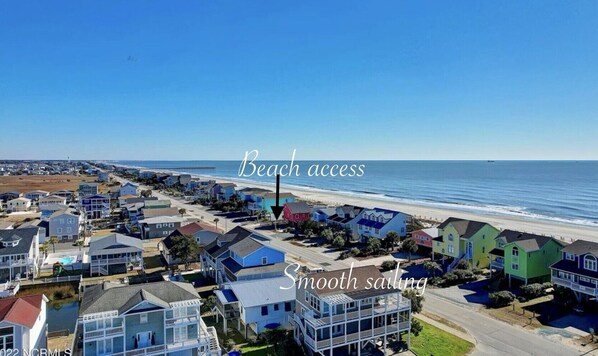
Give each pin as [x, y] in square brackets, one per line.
[378, 222]
[223, 191]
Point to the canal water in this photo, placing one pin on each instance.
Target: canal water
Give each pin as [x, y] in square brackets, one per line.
[62, 316]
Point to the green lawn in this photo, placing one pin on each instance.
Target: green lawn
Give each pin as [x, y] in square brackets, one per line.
[434, 341]
[256, 350]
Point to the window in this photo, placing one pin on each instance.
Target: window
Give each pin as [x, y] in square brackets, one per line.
[483, 249]
[569, 256]
[158, 226]
[143, 318]
[451, 249]
[59, 230]
[589, 263]
[264, 260]
[6, 338]
[515, 251]
[515, 266]
[180, 333]
[265, 310]
[276, 307]
[287, 306]
[450, 237]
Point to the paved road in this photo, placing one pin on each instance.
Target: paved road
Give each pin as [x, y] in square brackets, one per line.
[493, 337]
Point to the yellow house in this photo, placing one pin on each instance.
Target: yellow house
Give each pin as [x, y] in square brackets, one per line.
[465, 239]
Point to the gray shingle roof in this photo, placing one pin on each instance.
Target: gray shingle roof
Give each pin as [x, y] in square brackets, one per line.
[245, 247]
[465, 228]
[580, 247]
[26, 236]
[528, 242]
[107, 297]
[115, 242]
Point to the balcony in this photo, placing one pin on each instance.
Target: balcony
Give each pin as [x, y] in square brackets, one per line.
[104, 333]
[152, 350]
[320, 321]
[497, 264]
[575, 286]
[16, 263]
[183, 319]
[186, 344]
[354, 337]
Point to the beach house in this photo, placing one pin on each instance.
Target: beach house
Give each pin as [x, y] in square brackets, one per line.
[114, 253]
[250, 259]
[223, 191]
[159, 226]
[203, 233]
[36, 194]
[378, 222]
[6, 196]
[465, 239]
[320, 215]
[87, 188]
[51, 200]
[296, 212]
[65, 224]
[215, 252]
[525, 257]
[256, 305]
[129, 188]
[578, 269]
[68, 194]
[159, 318]
[23, 328]
[335, 318]
[346, 217]
[95, 206]
[18, 204]
[19, 253]
[103, 177]
[425, 237]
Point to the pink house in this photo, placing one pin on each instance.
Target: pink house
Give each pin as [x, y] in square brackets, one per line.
[296, 212]
[424, 237]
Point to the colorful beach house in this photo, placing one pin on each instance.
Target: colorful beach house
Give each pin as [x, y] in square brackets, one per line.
[578, 269]
[96, 206]
[425, 237]
[346, 217]
[130, 189]
[462, 239]
[525, 257]
[259, 200]
[23, 328]
[223, 191]
[159, 318]
[378, 222]
[296, 212]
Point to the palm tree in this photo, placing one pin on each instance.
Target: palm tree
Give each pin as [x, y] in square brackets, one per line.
[216, 222]
[53, 240]
[44, 248]
[391, 238]
[80, 243]
[432, 266]
[409, 246]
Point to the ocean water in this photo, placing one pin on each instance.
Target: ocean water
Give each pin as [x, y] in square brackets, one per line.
[560, 191]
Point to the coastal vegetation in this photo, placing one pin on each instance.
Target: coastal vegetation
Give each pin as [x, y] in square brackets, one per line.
[435, 341]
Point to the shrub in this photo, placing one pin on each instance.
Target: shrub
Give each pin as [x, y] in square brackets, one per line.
[458, 276]
[463, 265]
[389, 265]
[338, 242]
[501, 298]
[535, 290]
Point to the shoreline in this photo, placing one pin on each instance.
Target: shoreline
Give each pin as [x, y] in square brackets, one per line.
[565, 231]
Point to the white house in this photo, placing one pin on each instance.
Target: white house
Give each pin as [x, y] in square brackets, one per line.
[129, 189]
[18, 204]
[114, 252]
[23, 324]
[51, 200]
[19, 253]
[36, 194]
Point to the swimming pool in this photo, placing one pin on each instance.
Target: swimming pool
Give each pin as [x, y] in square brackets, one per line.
[68, 260]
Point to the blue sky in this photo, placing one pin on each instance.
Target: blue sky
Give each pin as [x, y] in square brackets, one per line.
[333, 79]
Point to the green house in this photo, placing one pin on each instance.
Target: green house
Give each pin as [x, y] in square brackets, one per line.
[465, 239]
[525, 257]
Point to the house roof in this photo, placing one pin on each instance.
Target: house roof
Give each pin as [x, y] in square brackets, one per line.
[264, 291]
[155, 212]
[161, 219]
[20, 199]
[26, 235]
[189, 229]
[245, 247]
[114, 242]
[431, 231]
[226, 185]
[273, 195]
[131, 184]
[222, 243]
[528, 242]
[298, 207]
[465, 228]
[580, 247]
[67, 211]
[51, 198]
[572, 267]
[109, 296]
[240, 271]
[23, 310]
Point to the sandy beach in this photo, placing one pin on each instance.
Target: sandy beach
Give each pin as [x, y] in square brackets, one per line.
[565, 232]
